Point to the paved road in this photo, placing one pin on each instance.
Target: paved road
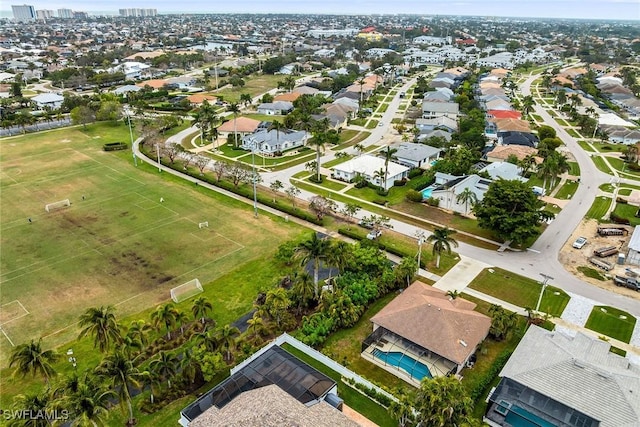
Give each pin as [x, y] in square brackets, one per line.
[543, 256]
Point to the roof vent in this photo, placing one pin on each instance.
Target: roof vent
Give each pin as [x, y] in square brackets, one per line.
[438, 308]
[579, 363]
[462, 343]
[603, 374]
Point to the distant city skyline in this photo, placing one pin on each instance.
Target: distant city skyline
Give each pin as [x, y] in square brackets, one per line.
[569, 9]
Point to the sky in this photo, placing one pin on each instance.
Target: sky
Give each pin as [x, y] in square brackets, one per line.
[575, 9]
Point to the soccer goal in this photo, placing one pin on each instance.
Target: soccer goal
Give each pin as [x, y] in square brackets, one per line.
[186, 290]
[203, 224]
[57, 205]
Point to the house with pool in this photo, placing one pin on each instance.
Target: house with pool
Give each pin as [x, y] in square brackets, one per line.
[372, 169]
[553, 379]
[424, 333]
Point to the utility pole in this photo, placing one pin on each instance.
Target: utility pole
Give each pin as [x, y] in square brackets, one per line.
[421, 239]
[544, 286]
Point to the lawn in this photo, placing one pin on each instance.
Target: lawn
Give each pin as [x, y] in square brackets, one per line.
[254, 85]
[607, 188]
[621, 166]
[585, 146]
[352, 398]
[625, 191]
[567, 190]
[627, 211]
[519, 290]
[611, 322]
[328, 184]
[349, 138]
[601, 165]
[337, 161]
[117, 243]
[574, 168]
[573, 133]
[599, 208]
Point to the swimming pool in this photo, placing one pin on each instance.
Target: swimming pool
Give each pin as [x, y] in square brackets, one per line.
[426, 193]
[414, 368]
[519, 417]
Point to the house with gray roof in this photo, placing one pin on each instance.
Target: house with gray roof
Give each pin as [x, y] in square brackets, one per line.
[416, 155]
[48, 100]
[270, 142]
[552, 379]
[275, 108]
[504, 170]
[452, 186]
[432, 109]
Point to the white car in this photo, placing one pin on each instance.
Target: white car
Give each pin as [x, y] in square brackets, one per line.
[374, 234]
[580, 242]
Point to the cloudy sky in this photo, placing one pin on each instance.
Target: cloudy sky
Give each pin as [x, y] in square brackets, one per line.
[602, 9]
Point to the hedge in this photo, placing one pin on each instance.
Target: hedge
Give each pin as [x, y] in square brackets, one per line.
[485, 381]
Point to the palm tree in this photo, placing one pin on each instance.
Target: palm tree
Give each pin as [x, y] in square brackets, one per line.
[276, 303]
[31, 359]
[181, 319]
[88, 404]
[200, 308]
[35, 402]
[188, 365]
[120, 373]
[361, 81]
[442, 241]
[165, 315]
[319, 140]
[359, 148]
[256, 324]
[165, 366]
[402, 411]
[379, 176]
[502, 322]
[227, 339]
[234, 109]
[388, 155]
[468, 197]
[278, 127]
[302, 289]
[139, 329]
[209, 340]
[102, 324]
[315, 249]
[527, 104]
[443, 402]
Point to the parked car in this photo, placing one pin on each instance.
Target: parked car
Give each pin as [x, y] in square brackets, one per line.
[580, 242]
[365, 224]
[374, 234]
[628, 282]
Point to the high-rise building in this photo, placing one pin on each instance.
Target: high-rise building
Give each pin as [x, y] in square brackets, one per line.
[137, 12]
[23, 13]
[65, 13]
[44, 14]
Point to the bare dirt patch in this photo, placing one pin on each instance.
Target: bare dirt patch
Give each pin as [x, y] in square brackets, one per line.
[573, 258]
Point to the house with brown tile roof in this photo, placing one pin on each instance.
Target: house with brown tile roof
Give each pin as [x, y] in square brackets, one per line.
[199, 98]
[243, 125]
[428, 327]
[154, 83]
[503, 125]
[289, 96]
[502, 152]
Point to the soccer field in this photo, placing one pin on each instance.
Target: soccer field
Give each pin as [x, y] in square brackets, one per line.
[117, 243]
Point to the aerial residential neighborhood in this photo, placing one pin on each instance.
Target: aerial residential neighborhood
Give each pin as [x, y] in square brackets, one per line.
[319, 219]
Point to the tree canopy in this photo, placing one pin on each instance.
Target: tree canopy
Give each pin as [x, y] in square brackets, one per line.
[511, 210]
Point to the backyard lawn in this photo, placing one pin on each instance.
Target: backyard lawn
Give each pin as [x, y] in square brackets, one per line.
[611, 322]
[599, 208]
[627, 211]
[519, 290]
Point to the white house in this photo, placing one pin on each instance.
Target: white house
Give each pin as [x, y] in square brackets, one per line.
[275, 108]
[416, 155]
[432, 109]
[370, 167]
[271, 141]
[448, 192]
[48, 100]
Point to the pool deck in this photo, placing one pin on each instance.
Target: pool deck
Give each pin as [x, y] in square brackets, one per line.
[436, 366]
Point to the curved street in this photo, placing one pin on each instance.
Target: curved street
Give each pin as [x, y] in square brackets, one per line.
[542, 257]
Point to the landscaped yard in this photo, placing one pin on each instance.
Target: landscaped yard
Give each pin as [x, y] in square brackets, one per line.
[254, 85]
[627, 211]
[519, 290]
[611, 322]
[574, 168]
[567, 190]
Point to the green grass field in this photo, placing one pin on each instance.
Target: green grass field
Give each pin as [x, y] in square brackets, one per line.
[117, 243]
[611, 322]
[599, 208]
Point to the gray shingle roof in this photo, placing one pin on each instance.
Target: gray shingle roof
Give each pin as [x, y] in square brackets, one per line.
[579, 372]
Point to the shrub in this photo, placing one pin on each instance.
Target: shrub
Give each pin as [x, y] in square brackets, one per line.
[485, 381]
[381, 202]
[617, 219]
[621, 200]
[399, 182]
[415, 172]
[414, 196]
[314, 178]
[431, 201]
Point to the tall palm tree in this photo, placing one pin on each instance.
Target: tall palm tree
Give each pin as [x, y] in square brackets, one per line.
[102, 324]
[302, 289]
[165, 315]
[189, 365]
[120, 373]
[443, 402]
[388, 156]
[527, 104]
[227, 338]
[88, 404]
[32, 359]
[139, 330]
[36, 402]
[314, 249]
[468, 197]
[318, 140]
[276, 303]
[165, 366]
[379, 175]
[181, 320]
[442, 241]
[234, 109]
[278, 127]
[256, 324]
[200, 308]
[209, 340]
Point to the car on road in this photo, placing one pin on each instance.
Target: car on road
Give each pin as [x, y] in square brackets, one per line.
[380, 124]
[580, 242]
[366, 224]
[374, 234]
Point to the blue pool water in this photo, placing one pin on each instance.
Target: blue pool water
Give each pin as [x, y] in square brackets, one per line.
[519, 417]
[426, 193]
[414, 368]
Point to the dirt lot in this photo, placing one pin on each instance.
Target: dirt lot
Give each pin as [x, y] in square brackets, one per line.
[573, 258]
